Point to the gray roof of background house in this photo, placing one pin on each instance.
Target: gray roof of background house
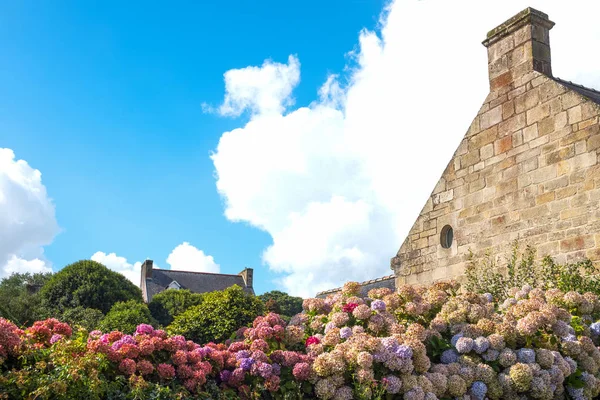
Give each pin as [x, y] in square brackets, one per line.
[197, 282]
[591, 94]
[383, 282]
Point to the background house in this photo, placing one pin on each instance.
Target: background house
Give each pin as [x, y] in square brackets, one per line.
[155, 280]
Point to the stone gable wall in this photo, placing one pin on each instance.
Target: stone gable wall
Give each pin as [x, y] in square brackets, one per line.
[527, 169]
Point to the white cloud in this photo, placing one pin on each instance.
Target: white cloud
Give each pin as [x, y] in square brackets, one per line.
[120, 265]
[262, 90]
[338, 184]
[27, 217]
[16, 264]
[186, 257]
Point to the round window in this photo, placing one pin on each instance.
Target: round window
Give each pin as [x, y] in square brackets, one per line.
[446, 236]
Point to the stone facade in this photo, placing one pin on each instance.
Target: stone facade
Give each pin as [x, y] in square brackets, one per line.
[527, 169]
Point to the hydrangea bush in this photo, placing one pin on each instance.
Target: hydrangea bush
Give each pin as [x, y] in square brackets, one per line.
[419, 343]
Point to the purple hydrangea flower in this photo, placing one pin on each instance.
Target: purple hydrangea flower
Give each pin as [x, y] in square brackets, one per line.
[246, 363]
[276, 369]
[329, 326]
[488, 297]
[449, 356]
[526, 356]
[345, 332]
[242, 354]
[479, 390]
[265, 370]
[225, 375]
[404, 352]
[378, 305]
[464, 345]
[55, 338]
[392, 384]
[595, 328]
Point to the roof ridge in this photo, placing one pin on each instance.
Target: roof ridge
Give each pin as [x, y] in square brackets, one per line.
[195, 272]
[577, 84]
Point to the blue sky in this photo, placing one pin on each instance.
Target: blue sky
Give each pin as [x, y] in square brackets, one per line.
[324, 129]
[105, 101]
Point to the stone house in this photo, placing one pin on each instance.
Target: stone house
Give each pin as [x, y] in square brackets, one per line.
[527, 168]
[155, 280]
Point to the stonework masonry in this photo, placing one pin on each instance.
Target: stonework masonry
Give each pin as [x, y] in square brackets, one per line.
[527, 169]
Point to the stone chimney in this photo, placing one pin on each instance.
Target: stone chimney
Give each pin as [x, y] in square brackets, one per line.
[147, 269]
[248, 275]
[518, 47]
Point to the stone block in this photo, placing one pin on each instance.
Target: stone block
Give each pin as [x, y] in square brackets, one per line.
[570, 99]
[574, 114]
[566, 192]
[530, 133]
[545, 198]
[527, 101]
[503, 145]
[546, 126]
[543, 174]
[577, 243]
[491, 117]
[581, 146]
[538, 113]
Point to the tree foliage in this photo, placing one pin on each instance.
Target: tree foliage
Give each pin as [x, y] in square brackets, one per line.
[218, 317]
[166, 305]
[523, 268]
[125, 316]
[20, 298]
[87, 318]
[287, 305]
[88, 284]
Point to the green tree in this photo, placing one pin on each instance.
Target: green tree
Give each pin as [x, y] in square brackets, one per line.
[168, 304]
[218, 317]
[288, 305]
[87, 318]
[125, 316]
[20, 299]
[87, 284]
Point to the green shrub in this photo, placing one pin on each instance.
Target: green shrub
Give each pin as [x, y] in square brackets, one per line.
[87, 318]
[282, 303]
[126, 316]
[486, 276]
[168, 304]
[218, 317]
[87, 284]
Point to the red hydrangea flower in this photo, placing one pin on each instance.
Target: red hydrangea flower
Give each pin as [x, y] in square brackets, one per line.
[312, 340]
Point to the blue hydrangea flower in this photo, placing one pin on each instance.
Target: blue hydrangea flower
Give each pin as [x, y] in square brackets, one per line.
[464, 345]
[526, 356]
[378, 305]
[490, 355]
[404, 352]
[488, 297]
[481, 345]
[276, 369]
[569, 338]
[390, 344]
[479, 390]
[242, 354]
[449, 356]
[345, 332]
[455, 338]
[595, 328]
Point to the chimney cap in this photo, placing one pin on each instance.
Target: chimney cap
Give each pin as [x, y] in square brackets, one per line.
[527, 16]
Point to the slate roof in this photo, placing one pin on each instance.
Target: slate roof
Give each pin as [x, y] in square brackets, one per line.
[383, 282]
[197, 282]
[591, 94]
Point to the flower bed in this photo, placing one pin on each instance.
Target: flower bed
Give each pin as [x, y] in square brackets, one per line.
[419, 343]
